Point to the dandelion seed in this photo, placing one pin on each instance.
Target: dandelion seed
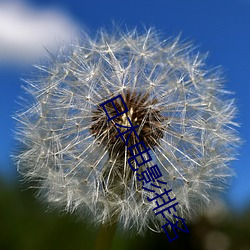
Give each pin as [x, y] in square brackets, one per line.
[182, 112]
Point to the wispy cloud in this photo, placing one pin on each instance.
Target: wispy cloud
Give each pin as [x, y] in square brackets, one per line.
[25, 31]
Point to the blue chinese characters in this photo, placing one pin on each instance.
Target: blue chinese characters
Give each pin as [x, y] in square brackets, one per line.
[139, 154]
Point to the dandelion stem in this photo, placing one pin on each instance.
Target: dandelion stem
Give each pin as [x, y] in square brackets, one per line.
[105, 236]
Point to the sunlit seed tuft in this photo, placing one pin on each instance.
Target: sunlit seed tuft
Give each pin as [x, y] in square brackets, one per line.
[184, 116]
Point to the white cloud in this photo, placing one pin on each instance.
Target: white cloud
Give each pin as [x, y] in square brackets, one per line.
[25, 31]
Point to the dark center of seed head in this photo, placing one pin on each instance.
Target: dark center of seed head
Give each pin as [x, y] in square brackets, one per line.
[142, 112]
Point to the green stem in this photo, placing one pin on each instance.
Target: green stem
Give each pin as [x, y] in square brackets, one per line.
[105, 236]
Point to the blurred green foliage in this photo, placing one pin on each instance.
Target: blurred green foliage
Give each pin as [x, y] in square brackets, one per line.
[25, 225]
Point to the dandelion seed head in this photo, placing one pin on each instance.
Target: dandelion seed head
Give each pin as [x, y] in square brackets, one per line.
[183, 115]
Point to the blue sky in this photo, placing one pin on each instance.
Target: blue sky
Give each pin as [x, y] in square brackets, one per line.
[221, 27]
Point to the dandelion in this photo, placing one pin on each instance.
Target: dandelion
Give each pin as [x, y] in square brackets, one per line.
[184, 117]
